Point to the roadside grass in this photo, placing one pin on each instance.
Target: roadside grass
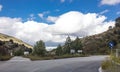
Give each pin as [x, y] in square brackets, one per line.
[106, 64]
[5, 58]
[111, 64]
[35, 57]
[115, 59]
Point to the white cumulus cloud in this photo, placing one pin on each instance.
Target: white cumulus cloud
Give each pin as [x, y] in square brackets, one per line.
[73, 23]
[79, 24]
[51, 18]
[110, 2]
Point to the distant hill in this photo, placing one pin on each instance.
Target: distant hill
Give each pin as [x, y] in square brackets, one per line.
[4, 37]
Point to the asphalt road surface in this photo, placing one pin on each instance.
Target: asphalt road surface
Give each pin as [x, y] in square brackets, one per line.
[80, 64]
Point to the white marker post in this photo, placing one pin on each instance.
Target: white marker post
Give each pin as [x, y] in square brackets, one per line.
[111, 44]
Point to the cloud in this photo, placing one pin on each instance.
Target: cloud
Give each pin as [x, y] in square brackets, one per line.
[1, 7]
[56, 10]
[41, 15]
[31, 18]
[31, 29]
[105, 11]
[62, 1]
[110, 2]
[51, 18]
[73, 23]
[118, 13]
[7, 25]
[71, 1]
[79, 24]
[51, 48]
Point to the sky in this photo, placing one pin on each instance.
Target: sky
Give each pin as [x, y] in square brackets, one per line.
[53, 20]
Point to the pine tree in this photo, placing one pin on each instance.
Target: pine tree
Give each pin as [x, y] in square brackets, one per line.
[67, 45]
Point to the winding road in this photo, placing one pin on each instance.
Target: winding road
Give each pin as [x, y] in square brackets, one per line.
[80, 64]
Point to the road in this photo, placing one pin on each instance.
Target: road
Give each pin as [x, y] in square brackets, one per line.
[80, 64]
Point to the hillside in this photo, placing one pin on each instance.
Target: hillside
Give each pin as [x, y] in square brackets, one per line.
[95, 44]
[12, 46]
[99, 43]
[4, 37]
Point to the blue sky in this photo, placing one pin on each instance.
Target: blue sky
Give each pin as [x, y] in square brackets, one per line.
[52, 20]
[24, 8]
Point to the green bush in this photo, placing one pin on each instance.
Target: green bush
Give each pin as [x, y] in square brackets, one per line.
[38, 57]
[4, 58]
[19, 52]
[115, 59]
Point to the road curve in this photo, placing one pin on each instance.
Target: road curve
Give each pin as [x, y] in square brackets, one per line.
[80, 64]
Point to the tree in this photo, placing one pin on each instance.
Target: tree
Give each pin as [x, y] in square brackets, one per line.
[39, 48]
[3, 50]
[2, 43]
[18, 52]
[67, 45]
[30, 50]
[77, 45]
[11, 40]
[117, 24]
[59, 50]
[110, 27]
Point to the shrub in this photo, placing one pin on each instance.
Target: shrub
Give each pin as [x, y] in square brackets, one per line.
[36, 57]
[115, 59]
[18, 52]
[106, 64]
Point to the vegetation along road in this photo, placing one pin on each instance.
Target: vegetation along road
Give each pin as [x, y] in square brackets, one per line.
[80, 64]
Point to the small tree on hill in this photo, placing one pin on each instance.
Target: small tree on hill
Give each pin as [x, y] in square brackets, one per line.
[39, 48]
[117, 22]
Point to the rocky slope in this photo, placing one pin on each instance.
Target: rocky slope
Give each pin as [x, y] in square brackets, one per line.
[9, 44]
